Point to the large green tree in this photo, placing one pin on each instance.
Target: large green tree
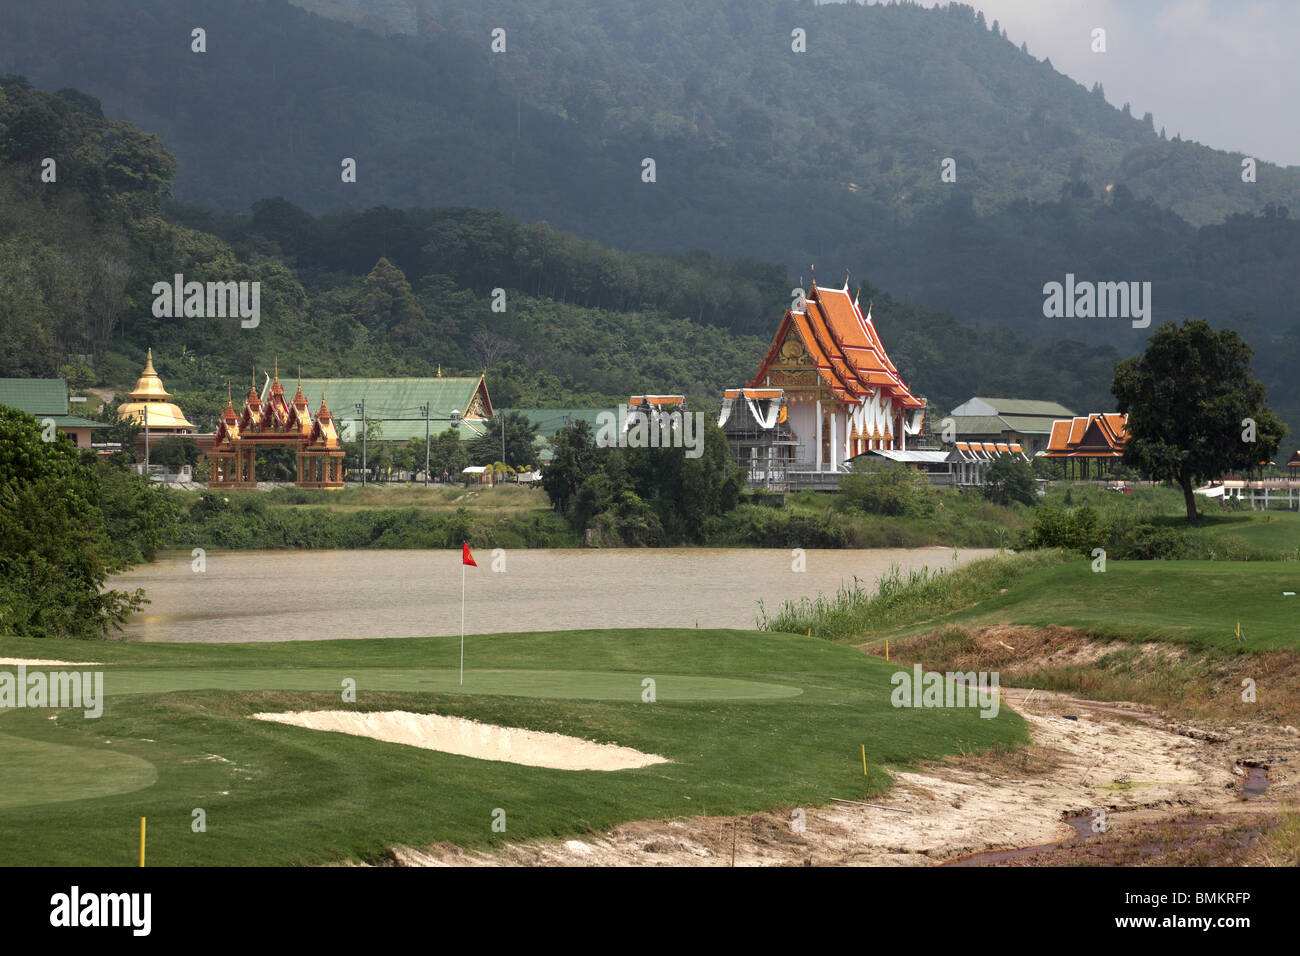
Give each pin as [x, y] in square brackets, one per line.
[55, 549]
[1195, 409]
[520, 433]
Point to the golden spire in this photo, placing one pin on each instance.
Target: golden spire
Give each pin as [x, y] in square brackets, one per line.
[277, 368]
[149, 386]
[149, 397]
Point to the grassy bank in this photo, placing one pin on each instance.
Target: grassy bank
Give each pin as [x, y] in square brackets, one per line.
[411, 516]
[1223, 533]
[750, 721]
[855, 614]
[398, 517]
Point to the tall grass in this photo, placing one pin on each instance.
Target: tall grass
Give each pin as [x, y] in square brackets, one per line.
[855, 613]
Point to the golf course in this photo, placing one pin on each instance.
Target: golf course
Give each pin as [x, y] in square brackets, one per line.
[747, 721]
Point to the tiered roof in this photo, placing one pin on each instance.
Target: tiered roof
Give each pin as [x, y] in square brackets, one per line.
[987, 450]
[844, 346]
[149, 402]
[1099, 435]
[277, 419]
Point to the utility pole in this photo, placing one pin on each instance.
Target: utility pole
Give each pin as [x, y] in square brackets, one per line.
[425, 408]
[361, 406]
[503, 439]
[146, 441]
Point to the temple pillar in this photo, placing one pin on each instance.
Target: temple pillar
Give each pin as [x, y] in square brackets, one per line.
[819, 435]
[834, 442]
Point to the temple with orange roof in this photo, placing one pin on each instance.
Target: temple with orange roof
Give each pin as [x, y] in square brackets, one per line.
[275, 422]
[842, 395]
[1078, 441]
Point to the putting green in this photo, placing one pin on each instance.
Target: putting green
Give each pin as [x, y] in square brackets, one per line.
[556, 684]
[36, 772]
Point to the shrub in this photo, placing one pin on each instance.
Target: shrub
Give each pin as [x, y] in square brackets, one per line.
[1073, 529]
[890, 488]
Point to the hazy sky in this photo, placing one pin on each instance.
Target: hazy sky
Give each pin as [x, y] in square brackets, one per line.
[1222, 72]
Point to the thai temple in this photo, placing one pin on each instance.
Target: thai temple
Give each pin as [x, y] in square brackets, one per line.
[275, 422]
[150, 405]
[1077, 442]
[826, 391]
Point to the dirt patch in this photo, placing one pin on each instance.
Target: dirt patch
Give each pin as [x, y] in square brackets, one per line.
[1146, 772]
[35, 662]
[469, 738]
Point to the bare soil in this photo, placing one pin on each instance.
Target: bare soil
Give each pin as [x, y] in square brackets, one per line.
[1171, 791]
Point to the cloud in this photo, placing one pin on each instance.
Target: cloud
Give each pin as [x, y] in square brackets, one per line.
[1217, 72]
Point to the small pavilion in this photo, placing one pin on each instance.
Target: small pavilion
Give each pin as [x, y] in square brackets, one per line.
[276, 423]
[1077, 442]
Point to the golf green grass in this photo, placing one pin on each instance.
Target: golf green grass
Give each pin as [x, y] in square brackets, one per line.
[38, 771]
[750, 720]
[1192, 602]
[558, 685]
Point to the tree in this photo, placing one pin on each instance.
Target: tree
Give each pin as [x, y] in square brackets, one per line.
[1195, 409]
[489, 348]
[889, 488]
[574, 463]
[387, 303]
[55, 549]
[1009, 478]
[520, 434]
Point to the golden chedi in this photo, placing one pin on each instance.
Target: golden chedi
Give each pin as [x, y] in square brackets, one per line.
[150, 399]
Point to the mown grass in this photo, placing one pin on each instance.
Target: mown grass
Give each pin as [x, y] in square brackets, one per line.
[1190, 602]
[276, 794]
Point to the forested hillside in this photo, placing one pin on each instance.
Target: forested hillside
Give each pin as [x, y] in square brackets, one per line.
[406, 292]
[585, 89]
[762, 154]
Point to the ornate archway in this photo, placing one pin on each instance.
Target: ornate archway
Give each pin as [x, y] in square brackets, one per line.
[276, 423]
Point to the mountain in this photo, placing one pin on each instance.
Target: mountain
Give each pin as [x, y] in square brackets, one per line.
[404, 292]
[856, 126]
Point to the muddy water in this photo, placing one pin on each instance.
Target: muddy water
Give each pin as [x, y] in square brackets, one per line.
[319, 595]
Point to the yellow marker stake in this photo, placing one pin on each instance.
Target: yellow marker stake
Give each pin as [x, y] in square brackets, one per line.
[142, 841]
[864, 760]
[886, 652]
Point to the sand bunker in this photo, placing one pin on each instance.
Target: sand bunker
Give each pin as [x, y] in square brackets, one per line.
[469, 738]
[34, 662]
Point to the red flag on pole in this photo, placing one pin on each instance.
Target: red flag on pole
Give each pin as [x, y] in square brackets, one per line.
[466, 557]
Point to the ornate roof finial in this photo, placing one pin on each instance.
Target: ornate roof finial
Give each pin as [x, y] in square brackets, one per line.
[813, 271]
[846, 280]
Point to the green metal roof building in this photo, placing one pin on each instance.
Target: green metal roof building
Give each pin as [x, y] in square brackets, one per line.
[1024, 421]
[47, 398]
[396, 404]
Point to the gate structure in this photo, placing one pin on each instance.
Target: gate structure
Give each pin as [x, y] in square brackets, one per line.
[276, 423]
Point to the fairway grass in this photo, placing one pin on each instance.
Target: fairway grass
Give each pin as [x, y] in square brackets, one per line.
[750, 720]
[1192, 602]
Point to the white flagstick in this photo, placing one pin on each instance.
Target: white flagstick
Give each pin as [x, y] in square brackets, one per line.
[462, 619]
